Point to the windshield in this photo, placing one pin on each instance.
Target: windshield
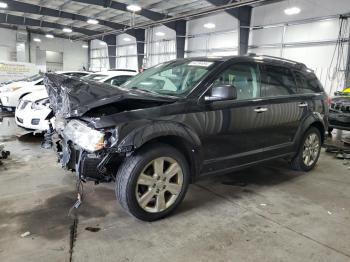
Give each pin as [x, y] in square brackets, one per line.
[175, 78]
[94, 77]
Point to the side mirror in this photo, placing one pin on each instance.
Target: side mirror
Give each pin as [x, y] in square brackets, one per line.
[222, 93]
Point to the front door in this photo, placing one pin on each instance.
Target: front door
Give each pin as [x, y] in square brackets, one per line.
[233, 134]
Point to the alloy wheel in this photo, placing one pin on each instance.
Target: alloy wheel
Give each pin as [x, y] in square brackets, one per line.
[311, 149]
[159, 184]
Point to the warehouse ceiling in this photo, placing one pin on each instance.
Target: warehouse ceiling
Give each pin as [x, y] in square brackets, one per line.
[52, 16]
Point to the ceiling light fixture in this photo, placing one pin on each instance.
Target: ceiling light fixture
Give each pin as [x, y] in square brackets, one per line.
[92, 21]
[160, 34]
[67, 30]
[85, 46]
[126, 39]
[292, 11]
[49, 36]
[37, 40]
[133, 8]
[3, 5]
[209, 25]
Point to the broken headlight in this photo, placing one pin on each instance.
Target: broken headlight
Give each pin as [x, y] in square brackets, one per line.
[87, 138]
[41, 104]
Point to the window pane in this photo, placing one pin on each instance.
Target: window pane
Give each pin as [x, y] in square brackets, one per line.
[307, 83]
[244, 78]
[278, 81]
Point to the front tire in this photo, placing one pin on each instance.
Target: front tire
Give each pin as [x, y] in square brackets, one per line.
[309, 151]
[151, 183]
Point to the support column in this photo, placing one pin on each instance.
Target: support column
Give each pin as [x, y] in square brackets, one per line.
[89, 55]
[140, 46]
[243, 14]
[180, 29]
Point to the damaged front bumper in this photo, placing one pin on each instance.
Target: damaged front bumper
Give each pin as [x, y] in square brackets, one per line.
[97, 167]
[85, 151]
[339, 120]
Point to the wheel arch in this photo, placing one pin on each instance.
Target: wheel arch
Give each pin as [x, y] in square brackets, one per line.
[176, 135]
[320, 126]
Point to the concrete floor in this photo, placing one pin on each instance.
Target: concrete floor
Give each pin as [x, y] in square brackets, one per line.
[266, 213]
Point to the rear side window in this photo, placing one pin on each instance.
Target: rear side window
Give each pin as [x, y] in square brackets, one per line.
[244, 77]
[278, 81]
[307, 83]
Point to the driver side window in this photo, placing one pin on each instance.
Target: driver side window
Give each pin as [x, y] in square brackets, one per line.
[244, 77]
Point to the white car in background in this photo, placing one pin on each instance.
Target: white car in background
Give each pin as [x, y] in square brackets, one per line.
[33, 109]
[12, 93]
[115, 77]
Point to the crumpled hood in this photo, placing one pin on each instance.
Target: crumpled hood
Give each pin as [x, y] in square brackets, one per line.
[73, 97]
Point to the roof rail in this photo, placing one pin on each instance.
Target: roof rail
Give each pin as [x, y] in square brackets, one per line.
[280, 59]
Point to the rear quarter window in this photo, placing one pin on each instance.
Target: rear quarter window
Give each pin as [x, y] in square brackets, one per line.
[308, 83]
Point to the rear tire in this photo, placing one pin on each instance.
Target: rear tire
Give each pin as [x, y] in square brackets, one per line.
[309, 151]
[151, 183]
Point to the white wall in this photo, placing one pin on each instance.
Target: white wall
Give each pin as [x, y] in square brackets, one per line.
[274, 13]
[74, 56]
[99, 56]
[219, 41]
[7, 44]
[311, 42]
[126, 52]
[159, 49]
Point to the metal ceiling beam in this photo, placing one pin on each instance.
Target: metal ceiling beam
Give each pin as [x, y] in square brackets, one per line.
[186, 16]
[34, 31]
[152, 15]
[17, 6]
[20, 20]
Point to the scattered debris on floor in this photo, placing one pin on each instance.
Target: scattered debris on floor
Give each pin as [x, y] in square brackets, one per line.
[26, 234]
[3, 153]
[340, 146]
[93, 229]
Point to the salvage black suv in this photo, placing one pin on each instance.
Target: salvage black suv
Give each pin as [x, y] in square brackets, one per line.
[186, 119]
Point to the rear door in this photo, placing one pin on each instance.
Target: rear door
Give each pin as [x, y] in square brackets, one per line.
[285, 111]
